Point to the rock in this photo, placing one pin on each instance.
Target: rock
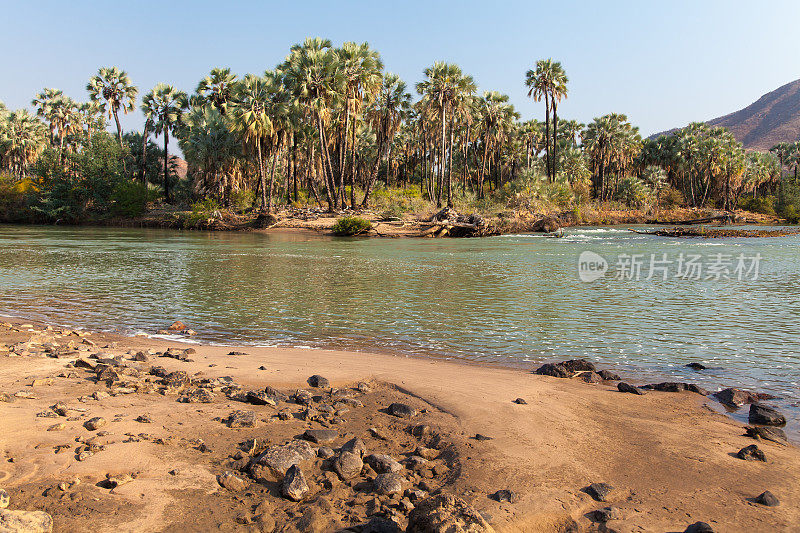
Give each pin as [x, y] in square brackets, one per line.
[607, 513]
[607, 375]
[364, 387]
[25, 521]
[388, 483]
[348, 465]
[735, 398]
[520, 401]
[6, 398]
[751, 453]
[258, 397]
[382, 464]
[5, 499]
[772, 434]
[691, 387]
[197, 395]
[241, 419]
[427, 453]
[318, 382]
[95, 423]
[591, 377]
[768, 499]
[379, 524]
[766, 416]
[323, 452]
[554, 370]
[275, 394]
[578, 365]
[303, 397]
[355, 446]
[547, 224]
[141, 357]
[624, 387]
[57, 427]
[445, 513]
[278, 459]
[402, 410]
[176, 379]
[599, 491]
[238, 353]
[505, 495]
[696, 366]
[144, 419]
[699, 527]
[60, 409]
[668, 386]
[321, 436]
[177, 326]
[284, 414]
[481, 438]
[231, 481]
[294, 484]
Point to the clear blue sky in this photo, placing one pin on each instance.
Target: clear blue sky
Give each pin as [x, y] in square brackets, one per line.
[664, 64]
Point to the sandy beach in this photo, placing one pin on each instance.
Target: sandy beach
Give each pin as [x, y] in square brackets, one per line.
[155, 461]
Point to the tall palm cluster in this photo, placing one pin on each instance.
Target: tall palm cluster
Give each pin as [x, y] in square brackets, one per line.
[329, 125]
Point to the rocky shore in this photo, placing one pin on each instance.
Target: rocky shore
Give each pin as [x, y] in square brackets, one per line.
[101, 432]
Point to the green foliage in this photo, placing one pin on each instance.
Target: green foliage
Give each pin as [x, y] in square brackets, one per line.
[128, 199]
[763, 204]
[672, 197]
[351, 226]
[632, 192]
[16, 197]
[788, 204]
[241, 200]
[532, 190]
[397, 200]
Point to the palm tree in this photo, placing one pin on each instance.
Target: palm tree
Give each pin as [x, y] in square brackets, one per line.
[386, 115]
[496, 120]
[164, 106]
[22, 138]
[46, 104]
[548, 80]
[217, 88]
[113, 88]
[444, 91]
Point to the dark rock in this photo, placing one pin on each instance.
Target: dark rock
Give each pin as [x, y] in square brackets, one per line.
[599, 491]
[176, 379]
[355, 446]
[348, 465]
[238, 353]
[481, 438]
[402, 410]
[323, 452]
[554, 370]
[591, 377]
[520, 401]
[275, 394]
[768, 499]
[505, 495]
[294, 485]
[669, 386]
[197, 395]
[765, 416]
[5, 499]
[319, 381]
[545, 225]
[241, 419]
[277, 460]
[388, 484]
[144, 419]
[303, 397]
[609, 376]
[258, 397]
[382, 464]
[624, 387]
[607, 513]
[579, 365]
[321, 436]
[699, 527]
[378, 524]
[734, 398]
[751, 453]
[772, 434]
[696, 366]
[691, 387]
[95, 423]
[445, 512]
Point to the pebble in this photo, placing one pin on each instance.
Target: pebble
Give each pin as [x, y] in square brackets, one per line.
[505, 495]
[231, 481]
[768, 499]
[294, 485]
[751, 453]
[5, 499]
[348, 465]
[520, 401]
[624, 387]
[388, 483]
[321, 436]
[318, 381]
[607, 513]
[402, 410]
[766, 416]
[699, 527]
[599, 491]
[95, 423]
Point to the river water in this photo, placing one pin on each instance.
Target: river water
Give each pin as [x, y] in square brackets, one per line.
[731, 304]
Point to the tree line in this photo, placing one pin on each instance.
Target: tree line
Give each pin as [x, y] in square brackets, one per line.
[328, 125]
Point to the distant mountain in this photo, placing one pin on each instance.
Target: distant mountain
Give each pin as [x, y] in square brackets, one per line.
[773, 118]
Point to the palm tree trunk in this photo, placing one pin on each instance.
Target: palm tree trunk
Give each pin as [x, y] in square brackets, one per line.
[327, 171]
[275, 152]
[450, 168]
[555, 139]
[442, 158]
[119, 127]
[353, 169]
[261, 181]
[374, 174]
[547, 135]
[166, 165]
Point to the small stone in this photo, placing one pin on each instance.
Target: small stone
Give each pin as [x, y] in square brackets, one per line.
[259, 398]
[141, 357]
[505, 495]
[284, 414]
[766, 416]
[388, 484]
[427, 453]
[60, 409]
[355, 446]
[696, 366]
[318, 382]
[607, 375]
[520, 401]
[241, 419]
[751, 453]
[95, 423]
[771, 434]
[553, 370]
[177, 326]
[624, 387]
[591, 377]
[382, 464]
[446, 512]
[481, 438]
[402, 410]
[699, 527]
[294, 484]
[321, 436]
[5, 499]
[144, 419]
[599, 491]
[276, 460]
[765, 498]
[231, 481]
[238, 353]
[323, 452]
[57, 427]
[348, 465]
[364, 387]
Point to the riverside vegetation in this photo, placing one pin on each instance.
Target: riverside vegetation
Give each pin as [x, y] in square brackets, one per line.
[330, 129]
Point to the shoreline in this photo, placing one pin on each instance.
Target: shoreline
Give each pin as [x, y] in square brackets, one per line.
[662, 452]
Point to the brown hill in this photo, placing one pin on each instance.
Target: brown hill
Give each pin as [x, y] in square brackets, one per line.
[773, 118]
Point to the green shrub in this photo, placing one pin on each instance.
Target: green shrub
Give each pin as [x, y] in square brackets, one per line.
[241, 200]
[672, 197]
[350, 226]
[788, 204]
[632, 192]
[764, 205]
[128, 199]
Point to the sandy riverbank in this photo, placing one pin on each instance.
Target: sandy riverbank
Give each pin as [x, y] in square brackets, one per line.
[671, 460]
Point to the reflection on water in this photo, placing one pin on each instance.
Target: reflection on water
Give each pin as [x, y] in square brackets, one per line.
[513, 299]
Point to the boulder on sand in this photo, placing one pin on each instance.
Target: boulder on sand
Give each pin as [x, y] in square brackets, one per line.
[765, 416]
[555, 370]
[25, 521]
[444, 513]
